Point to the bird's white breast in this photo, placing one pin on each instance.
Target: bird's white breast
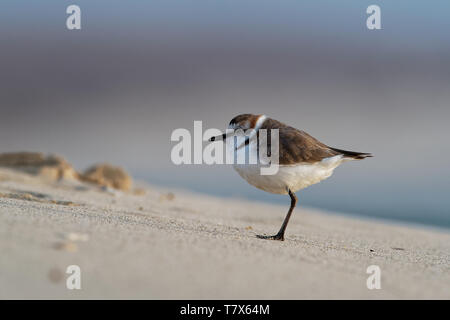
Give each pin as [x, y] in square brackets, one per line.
[293, 177]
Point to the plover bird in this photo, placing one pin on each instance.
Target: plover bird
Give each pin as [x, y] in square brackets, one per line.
[303, 161]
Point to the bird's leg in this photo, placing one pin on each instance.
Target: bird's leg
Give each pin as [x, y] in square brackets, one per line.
[280, 234]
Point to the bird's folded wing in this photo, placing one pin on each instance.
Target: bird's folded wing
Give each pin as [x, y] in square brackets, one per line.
[296, 146]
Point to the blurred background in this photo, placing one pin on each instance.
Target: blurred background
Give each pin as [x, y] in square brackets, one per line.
[116, 89]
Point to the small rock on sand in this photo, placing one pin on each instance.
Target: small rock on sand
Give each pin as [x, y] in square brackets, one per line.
[55, 275]
[139, 191]
[73, 236]
[49, 167]
[107, 175]
[68, 246]
[167, 197]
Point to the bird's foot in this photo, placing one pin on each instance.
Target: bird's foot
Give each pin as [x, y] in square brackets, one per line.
[278, 236]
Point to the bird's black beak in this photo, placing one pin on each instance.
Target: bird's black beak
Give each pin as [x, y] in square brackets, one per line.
[223, 136]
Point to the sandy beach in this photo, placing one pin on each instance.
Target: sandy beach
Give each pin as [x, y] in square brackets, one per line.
[169, 244]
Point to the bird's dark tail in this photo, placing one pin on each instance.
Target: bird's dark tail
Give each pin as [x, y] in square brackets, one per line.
[353, 154]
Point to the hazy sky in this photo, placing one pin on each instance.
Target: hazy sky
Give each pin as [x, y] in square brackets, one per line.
[115, 90]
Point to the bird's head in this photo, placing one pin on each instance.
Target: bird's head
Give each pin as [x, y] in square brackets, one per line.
[242, 122]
